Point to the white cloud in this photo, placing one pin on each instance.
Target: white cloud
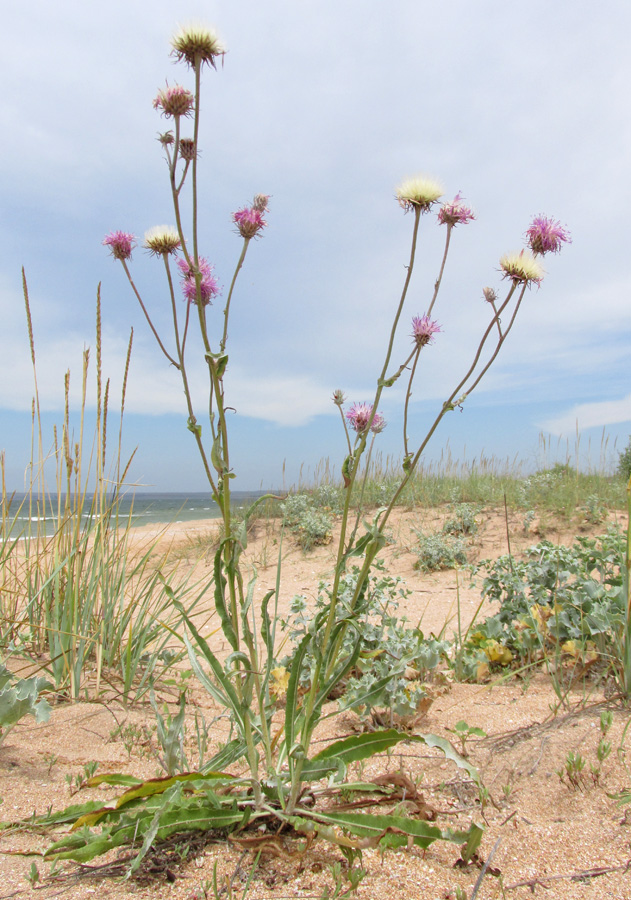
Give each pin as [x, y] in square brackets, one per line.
[153, 387]
[590, 415]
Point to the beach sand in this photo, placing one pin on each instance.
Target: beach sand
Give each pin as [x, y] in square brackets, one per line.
[542, 831]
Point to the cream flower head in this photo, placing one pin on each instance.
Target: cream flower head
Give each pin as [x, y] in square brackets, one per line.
[522, 267]
[162, 239]
[193, 43]
[419, 192]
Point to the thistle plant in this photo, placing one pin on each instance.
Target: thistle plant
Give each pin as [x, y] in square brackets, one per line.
[278, 760]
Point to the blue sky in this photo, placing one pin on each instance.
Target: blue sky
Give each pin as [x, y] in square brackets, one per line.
[327, 105]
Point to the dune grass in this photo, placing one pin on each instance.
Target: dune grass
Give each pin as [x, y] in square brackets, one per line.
[75, 595]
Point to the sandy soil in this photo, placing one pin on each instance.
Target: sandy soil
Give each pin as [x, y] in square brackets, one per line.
[548, 839]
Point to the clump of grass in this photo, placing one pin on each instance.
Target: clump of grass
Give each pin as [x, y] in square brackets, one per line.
[74, 591]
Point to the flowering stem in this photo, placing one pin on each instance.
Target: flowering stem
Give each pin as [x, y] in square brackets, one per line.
[173, 161]
[142, 306]
[226, 312]
[371, 551]
[345, 426]
[485, 337]
[448, 405]
[442, 269]
[187, 319]
[176, 330]
[373, 547]
[362, 491]
[500, 341]
[406, 406]
[198, 85]
[497, 319]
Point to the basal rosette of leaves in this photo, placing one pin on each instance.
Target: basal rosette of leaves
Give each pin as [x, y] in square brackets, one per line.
[566, 602]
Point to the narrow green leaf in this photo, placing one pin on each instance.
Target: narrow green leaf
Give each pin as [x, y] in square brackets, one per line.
[362, 746]
[220, 602]
[376, 826]
[216, 457]
[113, 778]
[266, 624]
[291, 708]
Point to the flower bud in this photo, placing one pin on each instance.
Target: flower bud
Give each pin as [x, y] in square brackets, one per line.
[187, 149]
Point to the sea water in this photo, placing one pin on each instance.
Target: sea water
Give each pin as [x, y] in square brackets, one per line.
[141, 508]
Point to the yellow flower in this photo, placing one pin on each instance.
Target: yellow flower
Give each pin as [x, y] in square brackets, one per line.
[540, 614]
[482, 672]
[419, 192]
[280, 681]
[497, 653]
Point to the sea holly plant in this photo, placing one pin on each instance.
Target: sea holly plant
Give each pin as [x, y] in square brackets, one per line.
[277, 787]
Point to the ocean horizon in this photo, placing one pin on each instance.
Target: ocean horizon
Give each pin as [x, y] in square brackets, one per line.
[141, 508]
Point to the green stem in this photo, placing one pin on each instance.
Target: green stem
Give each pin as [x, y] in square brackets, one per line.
[309, 702]
[226, 312]
[442, 269]
[406, 405]
[147, 317]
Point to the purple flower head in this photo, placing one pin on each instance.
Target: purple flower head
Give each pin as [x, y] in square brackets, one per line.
[424, 329]
[121, 243]
[208, 287]
[455, 213]
[358, 417]
[249, 220]
[174, 101]
[546, 235]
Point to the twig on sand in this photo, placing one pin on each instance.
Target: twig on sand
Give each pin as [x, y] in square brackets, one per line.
[540, 880]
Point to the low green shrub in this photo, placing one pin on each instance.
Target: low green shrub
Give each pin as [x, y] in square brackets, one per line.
[394, 660]
[624, 462]
[462, 520]
[561, 602]
[439, 551]
[310, 524]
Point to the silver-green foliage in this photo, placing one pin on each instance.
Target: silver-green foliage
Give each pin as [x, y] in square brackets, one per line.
[438, 551]
[394, 659]
[20, 697]
[310, 523]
